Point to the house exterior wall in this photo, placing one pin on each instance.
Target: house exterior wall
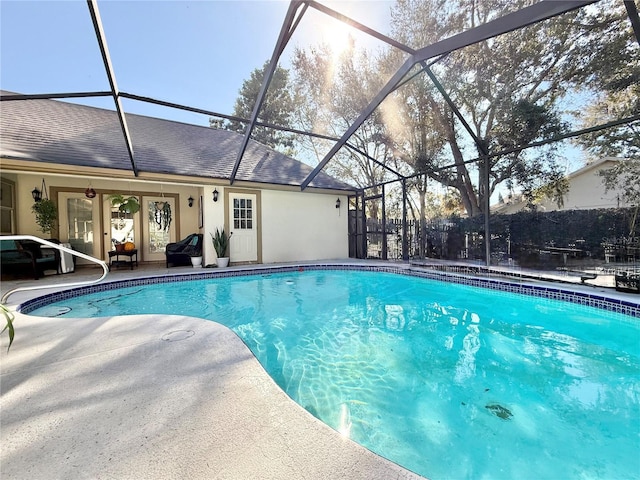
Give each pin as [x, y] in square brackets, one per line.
[303, 226]
[586, 191]
[294, 225]
[186, 217]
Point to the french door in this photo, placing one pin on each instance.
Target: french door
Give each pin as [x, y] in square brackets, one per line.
[119, 227]
[79, 223]
[82, 226]
[156, 231]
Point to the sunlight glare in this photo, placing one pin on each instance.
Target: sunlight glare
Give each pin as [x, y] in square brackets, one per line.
[338, 37]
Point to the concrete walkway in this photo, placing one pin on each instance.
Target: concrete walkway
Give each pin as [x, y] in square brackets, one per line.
[150, 397]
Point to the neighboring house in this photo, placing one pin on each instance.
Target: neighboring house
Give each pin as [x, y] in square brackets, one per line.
[73, 149]
[586, 191]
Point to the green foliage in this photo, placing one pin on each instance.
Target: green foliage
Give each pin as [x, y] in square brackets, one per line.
[333, 90]
[9, 318]
[512, 90]
[46, 213]
[535, 230]
[624, 176]
[277, 109]
[124, 204]
[508, 90]
[221, 242]
[612, 72]
[162, 215]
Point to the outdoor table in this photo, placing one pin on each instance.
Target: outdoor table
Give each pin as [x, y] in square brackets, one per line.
[123, 253]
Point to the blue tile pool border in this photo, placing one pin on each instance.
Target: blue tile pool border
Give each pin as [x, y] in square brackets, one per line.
[596, 299]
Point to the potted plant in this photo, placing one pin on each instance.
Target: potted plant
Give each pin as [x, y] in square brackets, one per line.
[129, 204]
[221, 245]
[125, 205]
[196, 260]
[46, 213]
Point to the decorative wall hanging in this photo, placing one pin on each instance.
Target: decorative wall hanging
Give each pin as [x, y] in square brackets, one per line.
[162, 215]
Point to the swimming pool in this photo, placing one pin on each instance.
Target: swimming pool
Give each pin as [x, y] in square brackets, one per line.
[448, 380]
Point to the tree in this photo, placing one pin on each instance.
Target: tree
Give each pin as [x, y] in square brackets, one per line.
[508, 89]
[334, 89]
[612, 75]
[46, 212]
[277, 109]
[624, 176]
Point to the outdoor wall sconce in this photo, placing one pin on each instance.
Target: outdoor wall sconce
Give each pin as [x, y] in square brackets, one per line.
[338, 203]
[190, 200]
[215, 195]
[37, 194]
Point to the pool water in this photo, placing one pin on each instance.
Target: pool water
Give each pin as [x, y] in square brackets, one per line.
[447, 380]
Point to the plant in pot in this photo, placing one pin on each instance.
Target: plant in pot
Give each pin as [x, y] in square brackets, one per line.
[125, 205]
[46, 213]
[221, 245]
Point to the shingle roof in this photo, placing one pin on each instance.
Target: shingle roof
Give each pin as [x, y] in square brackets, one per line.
[52, 131]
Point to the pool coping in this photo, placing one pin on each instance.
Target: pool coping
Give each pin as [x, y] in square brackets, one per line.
[596, 299]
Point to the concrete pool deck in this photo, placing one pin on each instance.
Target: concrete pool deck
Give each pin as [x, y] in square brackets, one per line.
[156, 397]
[147, 397]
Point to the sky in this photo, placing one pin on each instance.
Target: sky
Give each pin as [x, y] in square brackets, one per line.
[194, 53]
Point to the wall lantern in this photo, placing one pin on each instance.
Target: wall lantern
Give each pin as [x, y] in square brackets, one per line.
[338, 203]
[190, 200]
[215, 195]
[36, 194]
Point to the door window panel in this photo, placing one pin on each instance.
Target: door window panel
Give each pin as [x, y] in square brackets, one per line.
[80, 224]
[242, 214]
[158, 237]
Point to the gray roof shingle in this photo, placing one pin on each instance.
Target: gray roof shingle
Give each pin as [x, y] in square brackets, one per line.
[52, 131]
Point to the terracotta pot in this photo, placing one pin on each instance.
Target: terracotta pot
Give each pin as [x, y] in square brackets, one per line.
[119, 247]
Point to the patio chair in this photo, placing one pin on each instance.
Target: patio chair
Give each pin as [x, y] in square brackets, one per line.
[26, 256]
[180, 253]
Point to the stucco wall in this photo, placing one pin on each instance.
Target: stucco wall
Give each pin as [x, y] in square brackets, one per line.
[294, 226]
[303, 226]
[186, 217]
[587, 192]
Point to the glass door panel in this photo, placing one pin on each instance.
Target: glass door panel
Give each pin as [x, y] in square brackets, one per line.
[158, 227]
[78, 225]
[119, 227]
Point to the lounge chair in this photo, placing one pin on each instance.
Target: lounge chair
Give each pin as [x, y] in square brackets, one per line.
[180, 253]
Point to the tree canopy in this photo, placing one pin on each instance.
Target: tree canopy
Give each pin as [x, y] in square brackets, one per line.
[277, 109]
[508, 92]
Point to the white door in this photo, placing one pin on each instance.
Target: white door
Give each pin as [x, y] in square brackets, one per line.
[79, 223]
[243, 225]
[155, 230]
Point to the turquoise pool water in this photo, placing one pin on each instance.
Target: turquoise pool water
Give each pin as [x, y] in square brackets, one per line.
[447, 380]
